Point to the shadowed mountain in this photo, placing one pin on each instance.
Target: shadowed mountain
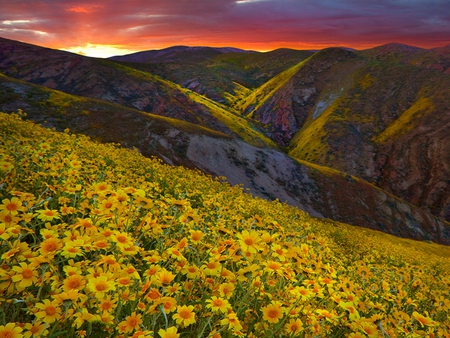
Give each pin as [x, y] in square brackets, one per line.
[267, 173]
[182, 54]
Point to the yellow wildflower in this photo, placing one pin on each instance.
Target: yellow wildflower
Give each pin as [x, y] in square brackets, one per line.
[273, 312]
[10, 330]
[49, 311]
[171, 332]
[185, 315]
[25, 275]
[218, 304]
[249, 241]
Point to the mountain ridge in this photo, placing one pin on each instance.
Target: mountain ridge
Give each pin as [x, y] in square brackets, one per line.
[174, 53]
[219, 150]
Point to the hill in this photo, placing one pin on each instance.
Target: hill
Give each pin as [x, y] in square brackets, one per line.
[323, 110]
[267, 173]
[111, 82]
[223, 75]
[380, 115]
[101, 241]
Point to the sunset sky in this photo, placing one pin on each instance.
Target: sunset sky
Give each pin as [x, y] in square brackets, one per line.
[105, 28]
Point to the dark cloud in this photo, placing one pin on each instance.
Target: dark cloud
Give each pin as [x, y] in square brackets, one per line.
[264, 24]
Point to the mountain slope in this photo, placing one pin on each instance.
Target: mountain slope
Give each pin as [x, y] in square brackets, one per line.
[265, 172]
[327, 99]
[219, 74]
[283, 103]
[379, 114]
[116, 83]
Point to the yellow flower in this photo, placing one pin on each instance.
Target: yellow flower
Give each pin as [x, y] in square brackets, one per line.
[369, 328]
[329, 316]
[73, 249]
[124, 281]
[74, 282]
[108, 205]
[50, 246]
[10, 330]
[279, 252]
[274, 267]
[8, 219]
[353, 312]
[165, 277]
[6, 166]
[423, 320]
[100, 285]
[294, 326]
[273, 312]
[107, 304]
[249, 241]
[231, 321]
[175, 253]
[131, 322]
[48, 312]
[171, 332]
[212, 268]
[35, 330]
[301, 292]
[169, 304]
[25, 275]
[226, 289]
[71, 295]
[173, 288]
[196, 236]
[106, 317]
[218, 304]
[185, 315]
[4, 235]
[101, 187]
[13, 205]
[85, 224]
[81, 316]
[356, 335]
[122, 239]
[153, 294]
[48, 215]
[191, 271]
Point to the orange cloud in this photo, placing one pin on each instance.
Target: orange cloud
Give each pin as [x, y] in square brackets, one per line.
[84, 9]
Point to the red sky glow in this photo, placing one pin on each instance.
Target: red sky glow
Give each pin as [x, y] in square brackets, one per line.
[106, 28]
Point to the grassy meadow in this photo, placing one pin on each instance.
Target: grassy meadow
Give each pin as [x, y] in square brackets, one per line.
[99, 241]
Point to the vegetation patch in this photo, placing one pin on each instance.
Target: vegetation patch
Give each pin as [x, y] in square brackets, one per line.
[99, 241]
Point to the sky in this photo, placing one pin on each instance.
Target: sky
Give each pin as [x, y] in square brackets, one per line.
[106, 28]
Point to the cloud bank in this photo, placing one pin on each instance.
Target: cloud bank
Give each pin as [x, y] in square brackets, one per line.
[252, 24]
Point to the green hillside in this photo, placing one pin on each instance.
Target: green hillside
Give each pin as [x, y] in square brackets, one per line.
[99, 241]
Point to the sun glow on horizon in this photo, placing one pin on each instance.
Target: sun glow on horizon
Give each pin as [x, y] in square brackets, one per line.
[99, 50]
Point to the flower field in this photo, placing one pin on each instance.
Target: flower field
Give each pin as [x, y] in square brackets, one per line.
[99, 241]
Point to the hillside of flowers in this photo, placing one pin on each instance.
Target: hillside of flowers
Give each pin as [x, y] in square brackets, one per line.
[99, 241]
